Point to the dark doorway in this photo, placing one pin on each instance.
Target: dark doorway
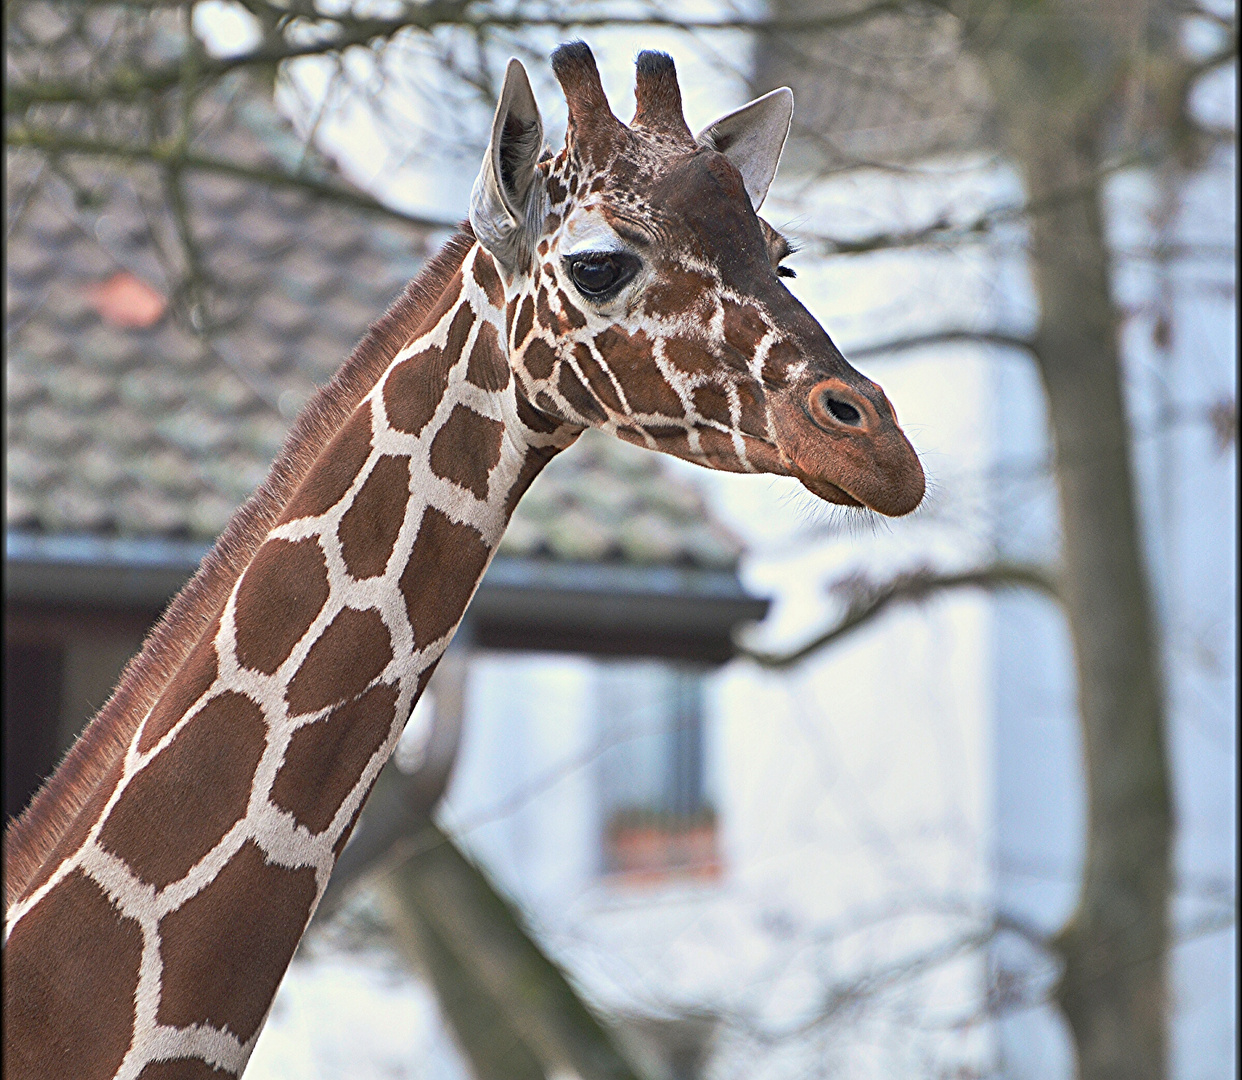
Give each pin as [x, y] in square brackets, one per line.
[32, 681]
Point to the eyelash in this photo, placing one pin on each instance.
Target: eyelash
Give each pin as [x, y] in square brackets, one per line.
[787, 271]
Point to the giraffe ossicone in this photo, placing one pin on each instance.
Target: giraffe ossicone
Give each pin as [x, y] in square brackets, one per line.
[157, 886]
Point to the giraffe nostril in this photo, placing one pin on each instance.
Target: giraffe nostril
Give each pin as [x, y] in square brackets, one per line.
[831, 406]
[842, 410]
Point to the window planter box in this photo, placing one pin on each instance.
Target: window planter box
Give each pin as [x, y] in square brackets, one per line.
[653, 848]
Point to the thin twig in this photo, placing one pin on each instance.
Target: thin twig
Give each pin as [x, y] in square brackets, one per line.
[943, 337]
[129, 83]
[164, 154]
[917, 585]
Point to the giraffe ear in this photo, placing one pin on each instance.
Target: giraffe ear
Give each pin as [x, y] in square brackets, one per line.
[504, 195]
[753, 137]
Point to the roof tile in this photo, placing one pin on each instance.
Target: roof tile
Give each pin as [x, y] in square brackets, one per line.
[78, 390]
[51, 430]
[197, 431]
[149, 511]
[154, 393]
[73, 507]
[160, 433]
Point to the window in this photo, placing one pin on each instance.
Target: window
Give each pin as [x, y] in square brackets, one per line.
[656, 816]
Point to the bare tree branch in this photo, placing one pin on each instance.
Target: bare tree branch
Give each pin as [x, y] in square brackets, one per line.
[176, 156]
[869, 600]
[944, 231]
[943, 337]
[128, 83]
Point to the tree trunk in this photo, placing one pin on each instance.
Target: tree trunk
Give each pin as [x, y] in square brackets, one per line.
[478, 935]
[1113, 990]
[495, 1051]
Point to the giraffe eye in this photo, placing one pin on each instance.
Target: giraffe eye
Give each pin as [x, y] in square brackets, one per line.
[600, 275]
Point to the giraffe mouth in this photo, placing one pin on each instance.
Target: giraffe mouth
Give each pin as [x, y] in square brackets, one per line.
[828, 491]
[890, 481]
[893, 493]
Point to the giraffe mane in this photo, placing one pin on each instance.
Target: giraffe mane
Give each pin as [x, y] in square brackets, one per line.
[30, 838]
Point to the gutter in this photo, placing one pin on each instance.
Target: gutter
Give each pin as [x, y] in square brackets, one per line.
[533, 603]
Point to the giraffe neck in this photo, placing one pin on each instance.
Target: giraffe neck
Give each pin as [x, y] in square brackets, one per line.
[161, 928]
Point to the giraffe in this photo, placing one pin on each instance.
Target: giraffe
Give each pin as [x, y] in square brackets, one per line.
[159, 883]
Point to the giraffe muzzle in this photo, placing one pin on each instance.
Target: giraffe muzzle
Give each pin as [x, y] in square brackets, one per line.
[846, 447]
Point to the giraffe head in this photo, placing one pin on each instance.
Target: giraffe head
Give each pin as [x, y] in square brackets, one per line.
[643, 292]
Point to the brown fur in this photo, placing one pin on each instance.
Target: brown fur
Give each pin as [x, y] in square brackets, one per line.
[30, 838]
[657, 96]
[79, 1017]
[266, 908]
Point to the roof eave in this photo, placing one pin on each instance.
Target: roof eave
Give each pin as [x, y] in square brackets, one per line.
[676, 612]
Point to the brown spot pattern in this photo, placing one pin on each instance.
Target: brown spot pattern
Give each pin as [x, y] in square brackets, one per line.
[578, 396]
[226, 948]
[544, 402]
[488, 368]
[343, 839]
[689, 356]
[187, 686]
[532, 465]
[281, 592]
[571, 317]
[466, 449]
[776, 363]
[70, 974]
[712, 403]
[539, 359]
[672, 440]
[743, 327]
[444, 305]
[677, 291]
[718, 446]
[445, 565]
[532, 419]
[458, 332]
[369, 528]
[488, 280]
[543, 310]
[629, 358]
[183, 1069]
[633, 435]
[597, 378]
[525, 320]
[325, 759]
[350, 653]
[414, 388]
[754, 416]
[179, 807]
[329, 478]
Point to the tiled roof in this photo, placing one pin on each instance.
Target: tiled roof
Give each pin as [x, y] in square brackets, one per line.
[122, 420]
[606, 501]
